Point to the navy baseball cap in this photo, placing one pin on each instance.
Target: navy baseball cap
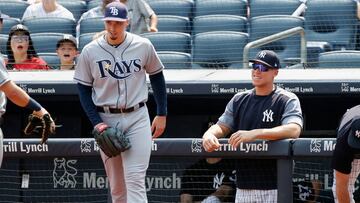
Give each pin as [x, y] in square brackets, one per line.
[268, 58]
[354, 134]
[116, 11]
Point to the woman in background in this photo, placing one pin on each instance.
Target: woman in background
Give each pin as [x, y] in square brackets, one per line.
[21, 52]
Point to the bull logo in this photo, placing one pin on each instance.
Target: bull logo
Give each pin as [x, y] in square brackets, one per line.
[64, 173]
[85, 146]
[315, 145]
[196, 145]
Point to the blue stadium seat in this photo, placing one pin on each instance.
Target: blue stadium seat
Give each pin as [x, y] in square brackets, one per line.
[52, 59]
[272, 7]
[230, 7]
[93, 3]
[332, 21]
[173, 23]
[14, 9]
[219, 49]
[3, 40]
[172, 7]
[170, 41]
[76, 7]
[90, 25]
[209, 23]
[54, 24]
[45, 42]
[84, 39]
[8, 23]
[263, 26]
[175, 60]
[339, 59]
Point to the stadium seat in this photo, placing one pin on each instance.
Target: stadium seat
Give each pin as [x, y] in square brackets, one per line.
[45, 42]
[263, 26]
[172, 7]
[170, 41]
[272, 7]
[339, 59]
[230, 7]
[7, 24]
[209, 23]
[3, 40]
[54, 24]
[76, 7]
[219, 49]
[93, 3]
[332, 21]
[171, 23]
[84, 39]
[175, 60]
[90, 25]
[51, 59]
[14, 9]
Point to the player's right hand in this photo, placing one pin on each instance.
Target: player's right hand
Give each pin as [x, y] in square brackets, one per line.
[210, 142]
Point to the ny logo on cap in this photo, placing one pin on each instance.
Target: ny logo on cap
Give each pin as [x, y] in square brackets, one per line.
[114, 11]
[262, 54]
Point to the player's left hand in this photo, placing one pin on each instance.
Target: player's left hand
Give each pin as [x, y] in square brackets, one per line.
[158, 126]
[241, 136]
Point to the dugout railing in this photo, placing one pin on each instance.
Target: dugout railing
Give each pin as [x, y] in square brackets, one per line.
[285, 151]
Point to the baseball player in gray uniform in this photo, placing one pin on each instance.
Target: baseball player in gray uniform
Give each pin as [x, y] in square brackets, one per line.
[111, 78]
[17, 95]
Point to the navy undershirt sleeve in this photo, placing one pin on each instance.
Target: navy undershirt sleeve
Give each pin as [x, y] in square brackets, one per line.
[88, 104]
[159, 91]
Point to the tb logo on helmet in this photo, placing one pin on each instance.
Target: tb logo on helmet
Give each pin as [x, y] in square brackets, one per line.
[114, 11]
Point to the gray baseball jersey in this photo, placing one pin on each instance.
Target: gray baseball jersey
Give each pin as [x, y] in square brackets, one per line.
[4, 77]
[117, 74]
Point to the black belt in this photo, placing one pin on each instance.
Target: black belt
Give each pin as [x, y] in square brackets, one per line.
[122, 110]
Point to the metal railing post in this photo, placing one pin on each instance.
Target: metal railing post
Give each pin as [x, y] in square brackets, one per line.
[275, 37]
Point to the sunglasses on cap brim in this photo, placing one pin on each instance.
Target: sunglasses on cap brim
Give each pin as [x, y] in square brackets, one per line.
[261, 67]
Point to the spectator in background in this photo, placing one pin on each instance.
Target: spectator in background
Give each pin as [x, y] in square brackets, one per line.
[266, 112]
[21, 52]
[92, 13]
[33, 1]
[97, 11]
[142, 16]
[67, 50]
[47, 8]
[346, 166]
[209, 180]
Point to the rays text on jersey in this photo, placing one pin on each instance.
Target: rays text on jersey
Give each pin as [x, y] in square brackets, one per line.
[118, 70]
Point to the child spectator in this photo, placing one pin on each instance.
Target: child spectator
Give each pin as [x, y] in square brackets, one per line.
[21, 52]
[67, 50]
[47, 8]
